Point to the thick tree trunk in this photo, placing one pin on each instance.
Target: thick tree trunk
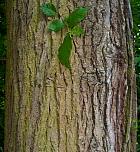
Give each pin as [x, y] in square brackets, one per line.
[90, 109]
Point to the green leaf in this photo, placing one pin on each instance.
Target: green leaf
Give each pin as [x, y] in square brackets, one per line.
[65, 51]
[77, 31]
[48, 9]
[76, 16]
[56, 25]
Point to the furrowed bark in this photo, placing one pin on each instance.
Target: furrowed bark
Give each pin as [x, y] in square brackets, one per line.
[91, 108]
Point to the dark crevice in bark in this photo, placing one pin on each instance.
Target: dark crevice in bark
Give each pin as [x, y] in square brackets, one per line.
[57, 111]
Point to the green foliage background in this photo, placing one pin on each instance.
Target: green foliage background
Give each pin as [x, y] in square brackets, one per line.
[2, 69]
[135, 4]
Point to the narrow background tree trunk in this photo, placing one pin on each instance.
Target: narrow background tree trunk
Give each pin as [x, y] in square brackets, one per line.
[90, 109]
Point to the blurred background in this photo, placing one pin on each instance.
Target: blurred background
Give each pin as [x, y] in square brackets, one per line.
[2, 69]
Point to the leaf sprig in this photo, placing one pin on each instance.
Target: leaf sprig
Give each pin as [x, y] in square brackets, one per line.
[71, 22]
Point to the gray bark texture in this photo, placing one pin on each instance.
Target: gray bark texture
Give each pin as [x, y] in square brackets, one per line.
[90, 109]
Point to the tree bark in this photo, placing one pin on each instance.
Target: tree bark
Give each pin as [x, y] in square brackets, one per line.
[90, 109]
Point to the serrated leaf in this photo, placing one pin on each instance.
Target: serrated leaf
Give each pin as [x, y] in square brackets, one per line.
[65, 51]
[76, 16]
[48, 9]
[77, 31]
[56, 25]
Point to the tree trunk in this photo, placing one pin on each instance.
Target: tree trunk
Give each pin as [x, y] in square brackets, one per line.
[90, 109]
